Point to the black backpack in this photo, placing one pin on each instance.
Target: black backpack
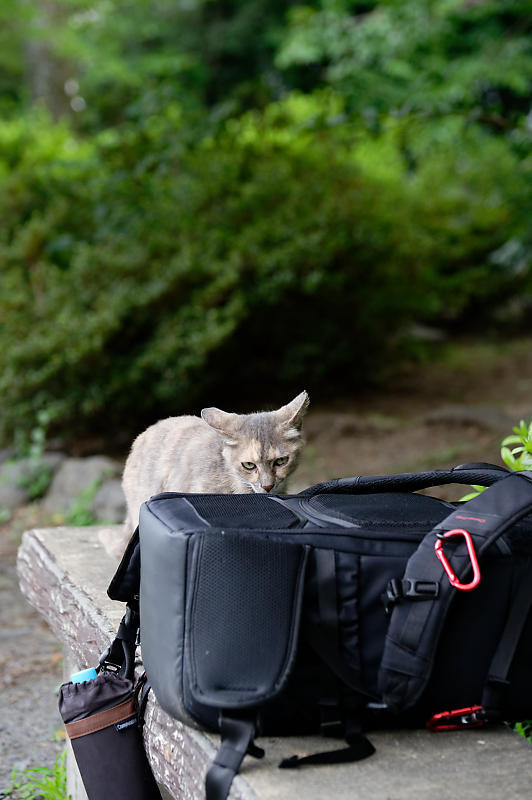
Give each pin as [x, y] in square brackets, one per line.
[355, 604]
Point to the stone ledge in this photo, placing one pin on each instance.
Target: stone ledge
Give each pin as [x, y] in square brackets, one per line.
[64, 573]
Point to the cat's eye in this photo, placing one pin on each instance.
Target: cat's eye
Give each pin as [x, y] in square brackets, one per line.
[280, 462]
[248, 465]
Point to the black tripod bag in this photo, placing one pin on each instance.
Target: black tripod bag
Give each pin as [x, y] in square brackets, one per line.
[355, 604]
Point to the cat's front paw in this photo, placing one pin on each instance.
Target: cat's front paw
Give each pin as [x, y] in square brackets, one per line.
[114, 542]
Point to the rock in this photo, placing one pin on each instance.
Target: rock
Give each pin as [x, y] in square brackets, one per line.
[12, 496]
[109, 504]
[16, 478]
[76, 475]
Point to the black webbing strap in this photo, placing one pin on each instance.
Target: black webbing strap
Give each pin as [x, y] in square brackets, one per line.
[142, 690]
[497, 681]
[322, 633]
[415, 627]
[358, 746]
[359, 749]
[120, 655]
[237, 739]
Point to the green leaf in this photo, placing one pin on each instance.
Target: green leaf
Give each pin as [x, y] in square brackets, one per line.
[511, 440]
[468, 497]
[472, 495]
[508, 458]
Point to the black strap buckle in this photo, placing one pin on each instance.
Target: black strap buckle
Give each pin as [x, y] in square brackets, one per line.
[407, 589]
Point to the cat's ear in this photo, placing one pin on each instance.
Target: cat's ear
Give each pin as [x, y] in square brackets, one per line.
[291, 415]
[227, 425]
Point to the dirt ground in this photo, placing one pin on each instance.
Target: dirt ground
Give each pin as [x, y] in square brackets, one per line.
[451, 411]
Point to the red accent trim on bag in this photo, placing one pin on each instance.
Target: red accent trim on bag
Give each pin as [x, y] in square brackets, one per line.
[460, 718]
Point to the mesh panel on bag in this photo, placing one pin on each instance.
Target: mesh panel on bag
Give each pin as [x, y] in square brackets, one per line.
[241, 625]
[401, 509]
[242, 511]
[404, 510]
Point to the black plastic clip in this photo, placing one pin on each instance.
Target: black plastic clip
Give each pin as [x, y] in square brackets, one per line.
[407, 589]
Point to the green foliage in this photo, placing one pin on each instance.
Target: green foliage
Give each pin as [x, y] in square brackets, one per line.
[519, 457]
[37, 480]
[40, 783]
[140, 271]
[477, 490]
[515, 458]
[197, 196]
[428, 56]
[524, 729]
[126, 60]
[80, 513]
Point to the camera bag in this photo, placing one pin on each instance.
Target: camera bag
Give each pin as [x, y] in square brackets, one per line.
[358, 603]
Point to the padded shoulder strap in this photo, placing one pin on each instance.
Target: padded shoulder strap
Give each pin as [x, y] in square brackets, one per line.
[416, 624]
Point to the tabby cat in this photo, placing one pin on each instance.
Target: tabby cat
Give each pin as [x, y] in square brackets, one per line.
[219, 453]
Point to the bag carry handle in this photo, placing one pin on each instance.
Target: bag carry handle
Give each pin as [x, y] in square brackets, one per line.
[481, 474]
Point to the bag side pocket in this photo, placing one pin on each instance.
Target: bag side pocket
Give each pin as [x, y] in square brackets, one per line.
[245, 593]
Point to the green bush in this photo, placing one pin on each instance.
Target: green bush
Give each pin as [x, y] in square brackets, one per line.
[144, 272]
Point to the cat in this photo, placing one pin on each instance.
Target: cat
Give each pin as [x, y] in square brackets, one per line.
[221, 453]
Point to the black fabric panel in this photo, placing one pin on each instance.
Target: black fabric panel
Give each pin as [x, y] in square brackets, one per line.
[125, 584]
[176, 513]
[113, 764]
[394, 511]
[197, 511]
[243, 617]
[295, 711]
[519, 537]
[375, 573]
[472, 630]
[518, 698]
[162, 610]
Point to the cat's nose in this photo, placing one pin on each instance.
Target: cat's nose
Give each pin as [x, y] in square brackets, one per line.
[268, 488]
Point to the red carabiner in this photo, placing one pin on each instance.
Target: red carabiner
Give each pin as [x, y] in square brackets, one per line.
[453, 580]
